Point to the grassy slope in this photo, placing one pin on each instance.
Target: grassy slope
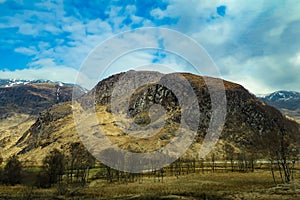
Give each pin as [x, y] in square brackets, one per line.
[10, 131]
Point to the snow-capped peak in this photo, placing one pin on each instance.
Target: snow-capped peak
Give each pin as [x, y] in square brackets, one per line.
[261, 95]
[4, 83]
[281, 96]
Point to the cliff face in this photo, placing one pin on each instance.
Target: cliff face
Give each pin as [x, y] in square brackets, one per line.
[246, 115]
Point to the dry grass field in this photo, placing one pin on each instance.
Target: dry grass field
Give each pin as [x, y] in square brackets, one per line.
[257, 185]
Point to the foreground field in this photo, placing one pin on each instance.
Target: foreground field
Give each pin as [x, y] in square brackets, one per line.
[257, 185]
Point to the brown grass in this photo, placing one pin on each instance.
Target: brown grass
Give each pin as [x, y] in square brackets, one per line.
[257, 185]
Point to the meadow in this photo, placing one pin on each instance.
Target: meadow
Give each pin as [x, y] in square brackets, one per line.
[198, 185]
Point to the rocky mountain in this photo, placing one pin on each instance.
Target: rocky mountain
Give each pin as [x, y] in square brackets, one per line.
[22, 102]
[4, 83]
[19, 82]
[32, 97]
[248, 120]
[245, 113]
[288, 102]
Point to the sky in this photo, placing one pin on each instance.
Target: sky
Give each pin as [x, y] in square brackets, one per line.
[254, 43]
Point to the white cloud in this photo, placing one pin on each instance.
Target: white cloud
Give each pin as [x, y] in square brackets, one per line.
[27, 51]
[48, 70]
[264, 74]
[252, 44]
[295, 61]
[159, 14]
[58, 73]
[44, 21]
[256, 43]
[28, 29]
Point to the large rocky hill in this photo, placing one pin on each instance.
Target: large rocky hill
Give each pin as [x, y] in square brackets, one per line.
[248, 120]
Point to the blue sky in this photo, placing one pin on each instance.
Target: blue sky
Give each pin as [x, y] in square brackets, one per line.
[254, 43]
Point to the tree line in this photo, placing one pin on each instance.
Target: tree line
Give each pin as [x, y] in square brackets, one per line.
[74, 166]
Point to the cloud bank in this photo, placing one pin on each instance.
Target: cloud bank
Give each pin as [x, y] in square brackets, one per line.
[254, 43]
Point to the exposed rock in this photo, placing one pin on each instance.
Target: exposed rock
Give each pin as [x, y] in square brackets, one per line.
[246, 115]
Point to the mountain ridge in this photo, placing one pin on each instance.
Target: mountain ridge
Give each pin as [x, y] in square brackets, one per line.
[21, 105]
[4, 83]
[32, 98]
[288, 102]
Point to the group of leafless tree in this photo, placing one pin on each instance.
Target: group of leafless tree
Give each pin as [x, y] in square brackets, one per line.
[280, 148]
[274, 151]
[282, 154]
[74, 166]
[11, 174]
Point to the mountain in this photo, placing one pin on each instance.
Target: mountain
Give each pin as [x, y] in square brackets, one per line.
[4, 83]
[32, 97]
[18, 82]
[288, 102]
[283, 99]
[248, 120]
[21, 102]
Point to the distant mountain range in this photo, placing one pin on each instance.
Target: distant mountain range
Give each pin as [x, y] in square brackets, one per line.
[18, 82]
[4, 83]
[32, 97]
[288, 102]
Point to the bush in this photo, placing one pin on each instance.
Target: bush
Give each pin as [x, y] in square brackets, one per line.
[13, 171]
[61, 189]
[42, 180]
[1, 176]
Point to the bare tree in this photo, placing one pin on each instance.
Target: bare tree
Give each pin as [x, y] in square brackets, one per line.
[178, 167]
[54, 166]
[241, 159]
[213, 159]
[294, 158]
[13, 171]
[202, 165]
[81, 161]
[277, 145]
[229, 152]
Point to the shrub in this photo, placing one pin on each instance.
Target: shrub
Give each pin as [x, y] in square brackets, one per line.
[13, 171]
